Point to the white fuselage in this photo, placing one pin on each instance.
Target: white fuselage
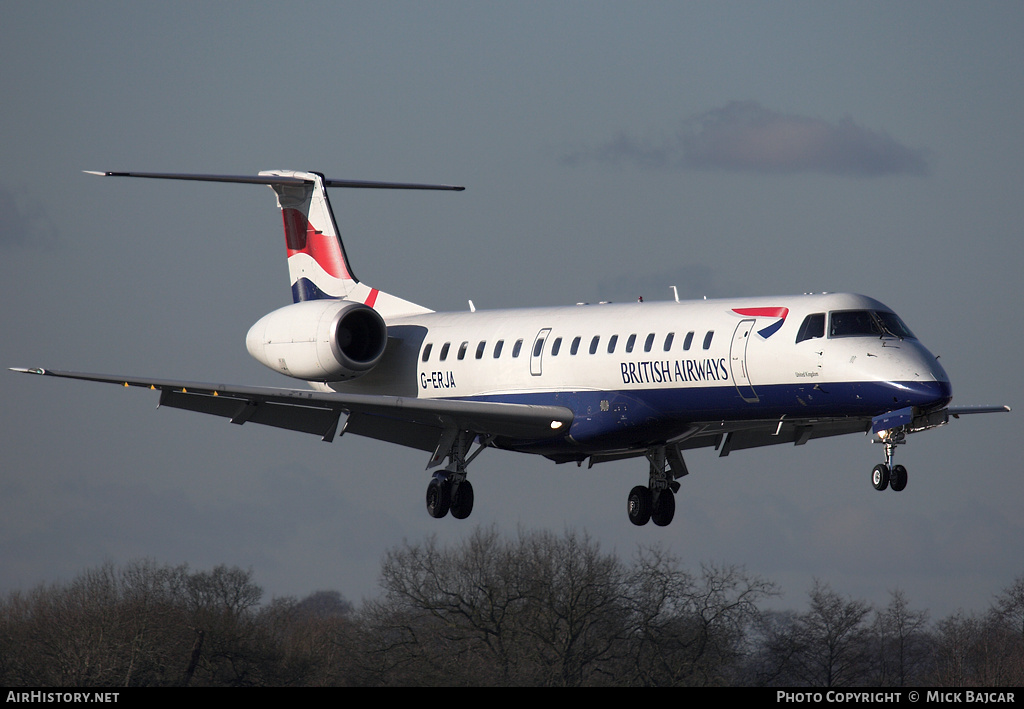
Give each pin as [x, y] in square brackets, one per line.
[641, 371]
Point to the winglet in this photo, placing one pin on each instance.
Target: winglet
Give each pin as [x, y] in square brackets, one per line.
[25, 370]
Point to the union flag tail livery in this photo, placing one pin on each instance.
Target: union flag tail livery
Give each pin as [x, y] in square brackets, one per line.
[575, 384]
[317, 264]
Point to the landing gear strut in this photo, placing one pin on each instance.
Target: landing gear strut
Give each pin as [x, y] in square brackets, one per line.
[886, 474]
[656, 502]
[449, 490]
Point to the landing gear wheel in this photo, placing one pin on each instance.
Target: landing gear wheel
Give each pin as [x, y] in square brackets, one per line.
[438, 497]
[462, 500]
[664, 508]
[638, 506]
[880, 476]
[898, 478]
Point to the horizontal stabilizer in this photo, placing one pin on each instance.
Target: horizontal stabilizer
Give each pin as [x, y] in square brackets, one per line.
[277, 180]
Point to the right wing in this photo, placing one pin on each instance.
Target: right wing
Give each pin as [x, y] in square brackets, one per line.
[729, 436]
[418, 423]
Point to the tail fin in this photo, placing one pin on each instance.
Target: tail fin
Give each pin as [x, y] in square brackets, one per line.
[317, 263]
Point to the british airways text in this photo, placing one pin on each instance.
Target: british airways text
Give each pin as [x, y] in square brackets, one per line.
[670, 371]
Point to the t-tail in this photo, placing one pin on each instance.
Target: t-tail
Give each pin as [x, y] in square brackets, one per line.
[318, 266]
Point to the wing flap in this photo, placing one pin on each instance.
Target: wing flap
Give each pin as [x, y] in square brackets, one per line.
[392, 430]
[407, 421]
[322, 421]
[797, 432]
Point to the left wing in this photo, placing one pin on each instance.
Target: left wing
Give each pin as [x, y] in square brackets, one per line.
[418, 423]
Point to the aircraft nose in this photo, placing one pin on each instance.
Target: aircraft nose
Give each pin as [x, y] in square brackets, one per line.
[925, 383]
[923, 394]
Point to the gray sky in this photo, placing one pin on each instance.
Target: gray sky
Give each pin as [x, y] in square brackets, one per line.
[609, 150]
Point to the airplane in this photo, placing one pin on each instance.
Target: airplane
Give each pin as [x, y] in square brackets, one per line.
[579, 383]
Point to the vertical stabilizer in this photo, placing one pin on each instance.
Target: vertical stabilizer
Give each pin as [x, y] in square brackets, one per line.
[318, 266]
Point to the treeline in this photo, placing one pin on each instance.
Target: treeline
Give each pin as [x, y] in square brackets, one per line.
[534, 609]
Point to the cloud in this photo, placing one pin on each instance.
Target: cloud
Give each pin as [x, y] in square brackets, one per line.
[744, 136]
[22, 220]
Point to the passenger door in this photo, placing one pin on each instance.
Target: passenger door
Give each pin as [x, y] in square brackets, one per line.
[738, 360]
[537, 352]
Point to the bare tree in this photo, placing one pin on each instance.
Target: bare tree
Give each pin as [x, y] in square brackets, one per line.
[1009, 607]
[576, 612]
[228, 647]
[903, 643]
[538, 609]
[443, 609]
[691, 630]
[828, 645]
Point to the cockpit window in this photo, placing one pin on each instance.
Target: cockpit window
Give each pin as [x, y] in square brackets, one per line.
[872, 323]
[893, 325]
[812, 327]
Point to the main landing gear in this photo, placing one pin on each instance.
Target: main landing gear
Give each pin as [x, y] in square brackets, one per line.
[886, 474]
[448, 494]
[449, 490]
[656, 502]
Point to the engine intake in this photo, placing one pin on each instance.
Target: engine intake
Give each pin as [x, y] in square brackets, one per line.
[319, 340]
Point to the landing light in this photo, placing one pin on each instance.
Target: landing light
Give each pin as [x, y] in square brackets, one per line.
[555, 425]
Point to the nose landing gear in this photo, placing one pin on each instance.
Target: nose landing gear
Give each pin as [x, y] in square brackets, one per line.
[886, 474]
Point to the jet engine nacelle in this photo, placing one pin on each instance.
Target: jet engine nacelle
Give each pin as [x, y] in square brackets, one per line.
[319, 340]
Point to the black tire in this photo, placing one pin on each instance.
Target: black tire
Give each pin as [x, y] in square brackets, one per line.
[664, 508]
[462, 500]
[638, 505]
[898, 478]
[438, 498]
[880, 476]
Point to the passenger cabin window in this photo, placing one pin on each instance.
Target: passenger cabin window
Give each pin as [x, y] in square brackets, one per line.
[594, 343]
[575, 347]
[707, 339]
[630, 342]
[688, 340]
[517, 347]
[812, 327]
[556, 346]
[497, 348]
[668, 341]
[462, 350]
[538, 347]
[480, 349]
[611, 343]
[649, 342]
[444, 350]
[426, 351]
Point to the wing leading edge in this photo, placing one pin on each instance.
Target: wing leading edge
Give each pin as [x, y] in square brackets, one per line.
[417, 423]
